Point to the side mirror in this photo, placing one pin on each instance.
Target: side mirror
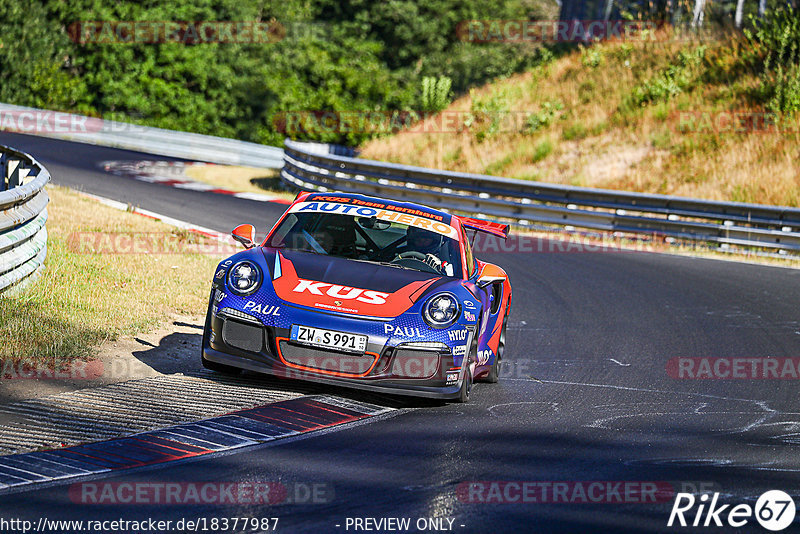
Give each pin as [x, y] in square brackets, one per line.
[245, 234]
[484, 281]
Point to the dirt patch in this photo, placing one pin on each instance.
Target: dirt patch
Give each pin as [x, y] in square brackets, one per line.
[614, 164]
[171, 349]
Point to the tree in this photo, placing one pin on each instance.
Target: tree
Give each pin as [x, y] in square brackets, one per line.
[739, 11]
[697, 16]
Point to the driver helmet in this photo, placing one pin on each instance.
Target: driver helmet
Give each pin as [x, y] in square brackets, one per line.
[421, 240]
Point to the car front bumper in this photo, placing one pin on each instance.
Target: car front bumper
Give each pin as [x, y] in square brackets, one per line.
[395, 370]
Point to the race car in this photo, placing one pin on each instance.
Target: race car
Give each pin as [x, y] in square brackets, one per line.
[362, 292]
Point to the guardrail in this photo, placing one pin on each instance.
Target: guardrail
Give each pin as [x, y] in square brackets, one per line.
[95, 131]
[23, 213]
[525, 203]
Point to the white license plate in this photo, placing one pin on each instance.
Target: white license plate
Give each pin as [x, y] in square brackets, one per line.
[329, 339]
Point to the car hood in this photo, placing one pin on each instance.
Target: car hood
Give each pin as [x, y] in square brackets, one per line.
[333, 284]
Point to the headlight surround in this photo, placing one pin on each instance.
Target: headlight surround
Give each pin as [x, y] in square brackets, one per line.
[441, 310]
[244, 277]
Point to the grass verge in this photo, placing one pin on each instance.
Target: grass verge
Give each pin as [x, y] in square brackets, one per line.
[85, 298]
[241, 179]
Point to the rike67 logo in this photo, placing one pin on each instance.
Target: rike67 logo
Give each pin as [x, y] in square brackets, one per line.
[774, 510]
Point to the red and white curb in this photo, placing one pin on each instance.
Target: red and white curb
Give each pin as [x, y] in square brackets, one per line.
[242, 428]
[173, 174]
[117, 205]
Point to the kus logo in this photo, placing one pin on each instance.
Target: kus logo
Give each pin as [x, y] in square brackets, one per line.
[341, 292]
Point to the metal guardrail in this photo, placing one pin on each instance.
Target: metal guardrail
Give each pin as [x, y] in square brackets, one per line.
[91, 130]
[319, 167]
[23, 214]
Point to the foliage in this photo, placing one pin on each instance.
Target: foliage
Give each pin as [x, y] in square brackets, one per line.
[592, 57]
[350, 55]
[677, 77]
[544, 116]
[488, 113]
[435, 93]
[33, 65]
[778, 39]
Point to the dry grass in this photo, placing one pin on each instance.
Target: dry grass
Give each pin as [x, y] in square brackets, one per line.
[240, 179]
[595, 135]
[84, 299]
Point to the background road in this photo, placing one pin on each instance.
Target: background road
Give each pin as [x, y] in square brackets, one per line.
[585, 394]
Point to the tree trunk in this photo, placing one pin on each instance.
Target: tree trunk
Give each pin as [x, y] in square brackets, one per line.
[762, 7]
[609, 6]
[697, 17]
[739, 10]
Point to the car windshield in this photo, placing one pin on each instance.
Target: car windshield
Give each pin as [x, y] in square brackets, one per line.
[369, 239]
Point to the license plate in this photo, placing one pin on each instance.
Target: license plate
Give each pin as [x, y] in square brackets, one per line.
[329, 339]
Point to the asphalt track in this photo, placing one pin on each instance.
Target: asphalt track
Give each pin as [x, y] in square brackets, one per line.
[585, 395]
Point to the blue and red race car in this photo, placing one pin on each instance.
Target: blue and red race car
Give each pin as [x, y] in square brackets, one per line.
[361, 292]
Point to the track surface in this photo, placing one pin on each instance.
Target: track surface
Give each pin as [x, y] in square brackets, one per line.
[585, 396]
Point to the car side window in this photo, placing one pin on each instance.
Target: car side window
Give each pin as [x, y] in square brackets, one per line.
[470, 259]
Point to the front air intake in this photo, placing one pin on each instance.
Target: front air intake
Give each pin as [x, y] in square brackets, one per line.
[242, 335]
[326, 361]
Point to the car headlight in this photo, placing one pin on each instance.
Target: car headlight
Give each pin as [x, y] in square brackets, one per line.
[244, 278]
[441, 310]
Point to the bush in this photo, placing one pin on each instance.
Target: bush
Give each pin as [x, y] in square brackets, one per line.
[574, 131]
[592, 57]
[778, 39]
[543, 117]
[32, 60]
[360, 56]
[435, 93]
[488, 113]
[542, 149]
[679, 76]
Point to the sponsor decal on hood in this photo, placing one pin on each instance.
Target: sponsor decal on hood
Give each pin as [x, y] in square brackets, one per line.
[416, 218]
[327, 295]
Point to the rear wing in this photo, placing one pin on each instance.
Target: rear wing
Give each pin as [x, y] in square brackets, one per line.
[500, 230]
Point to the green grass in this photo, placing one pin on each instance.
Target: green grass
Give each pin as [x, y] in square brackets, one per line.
[576, 130]
[542, 149]
[83, 299]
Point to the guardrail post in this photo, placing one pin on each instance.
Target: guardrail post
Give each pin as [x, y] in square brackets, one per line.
[323, 168]
[3, 165]
[12, 172]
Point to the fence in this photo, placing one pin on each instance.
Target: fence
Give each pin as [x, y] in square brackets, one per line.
[115, 134]
[526, 203]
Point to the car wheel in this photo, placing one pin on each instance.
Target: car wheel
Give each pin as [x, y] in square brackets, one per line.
[494, 372]
[466, 387]
[466, 384]
[213, 366]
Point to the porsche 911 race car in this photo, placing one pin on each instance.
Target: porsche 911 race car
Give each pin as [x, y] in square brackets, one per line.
[361, 292]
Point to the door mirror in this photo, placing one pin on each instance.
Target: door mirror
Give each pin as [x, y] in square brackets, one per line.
[484, 281]
[245, 234]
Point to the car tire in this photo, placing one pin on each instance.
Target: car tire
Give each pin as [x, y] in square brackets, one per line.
[494, 373]
[466, 387]
[466, 384]
[213, 366]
